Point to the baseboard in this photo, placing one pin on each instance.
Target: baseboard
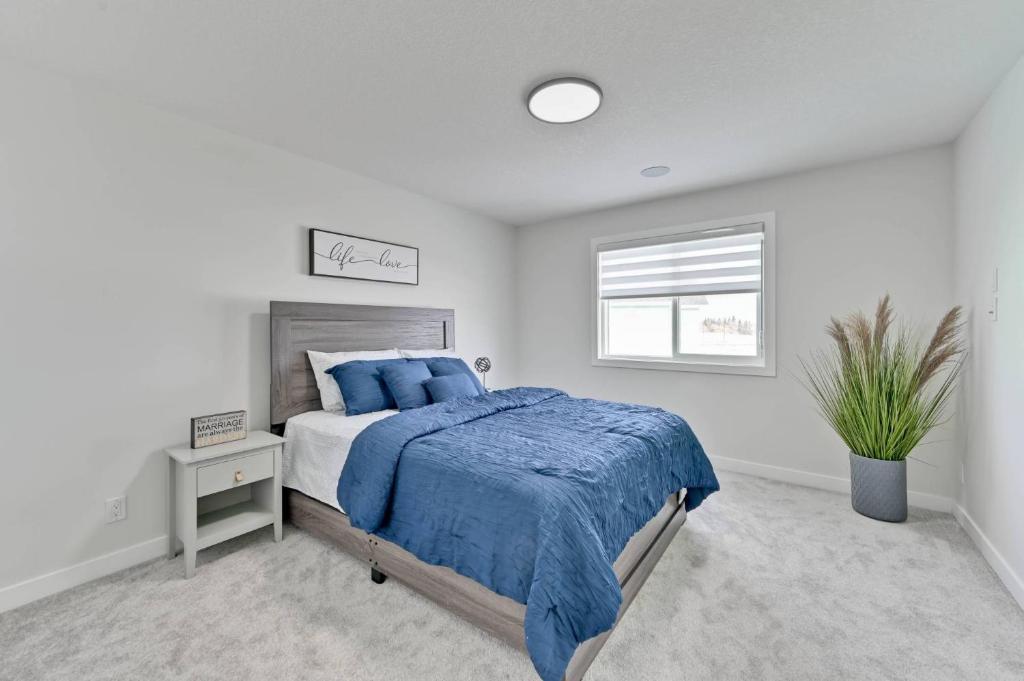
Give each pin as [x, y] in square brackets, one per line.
[931, 502]
[33, 589]
[1013, 582]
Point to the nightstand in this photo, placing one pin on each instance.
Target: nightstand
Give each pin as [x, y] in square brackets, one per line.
[222, 491]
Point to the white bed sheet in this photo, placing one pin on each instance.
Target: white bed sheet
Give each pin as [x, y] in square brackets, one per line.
[316, 449]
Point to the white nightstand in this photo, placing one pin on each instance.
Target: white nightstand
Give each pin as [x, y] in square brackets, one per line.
[222, 491]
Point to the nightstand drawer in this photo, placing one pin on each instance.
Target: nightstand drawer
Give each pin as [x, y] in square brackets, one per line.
[228, 474]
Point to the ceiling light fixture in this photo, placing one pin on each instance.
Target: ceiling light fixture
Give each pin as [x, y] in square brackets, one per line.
[655, 171]
[564, 100]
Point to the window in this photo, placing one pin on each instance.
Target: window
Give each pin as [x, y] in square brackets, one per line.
[695, 298]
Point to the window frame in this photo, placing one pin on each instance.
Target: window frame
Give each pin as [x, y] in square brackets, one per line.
[761, 365]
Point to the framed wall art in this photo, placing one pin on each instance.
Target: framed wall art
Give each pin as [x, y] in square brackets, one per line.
[332, 254]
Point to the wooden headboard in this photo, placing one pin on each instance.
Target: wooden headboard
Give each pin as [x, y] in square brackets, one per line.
[298, 327]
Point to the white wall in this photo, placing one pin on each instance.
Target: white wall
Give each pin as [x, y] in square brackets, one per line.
[138, 254]
[989, 235]
[845, 236]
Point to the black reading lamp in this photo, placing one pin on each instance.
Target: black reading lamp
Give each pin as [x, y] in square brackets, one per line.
[483, 365]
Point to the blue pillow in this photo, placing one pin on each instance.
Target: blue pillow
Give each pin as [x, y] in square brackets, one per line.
[362, 387]
[454, 386]
[448, 366]
[405, 381]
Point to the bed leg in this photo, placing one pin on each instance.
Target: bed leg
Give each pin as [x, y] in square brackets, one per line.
[377, 576]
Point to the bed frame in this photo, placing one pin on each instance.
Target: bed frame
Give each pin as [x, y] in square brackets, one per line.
[298, 327]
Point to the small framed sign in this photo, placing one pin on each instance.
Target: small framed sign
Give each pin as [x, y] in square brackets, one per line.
[217, 428]
[352, 257]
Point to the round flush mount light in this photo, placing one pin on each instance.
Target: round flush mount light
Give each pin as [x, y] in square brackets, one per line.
[564, 100]
[655, 171]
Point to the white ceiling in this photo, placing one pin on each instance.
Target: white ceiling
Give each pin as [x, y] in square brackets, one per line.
[428, 95]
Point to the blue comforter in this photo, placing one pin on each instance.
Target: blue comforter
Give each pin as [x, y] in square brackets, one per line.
[529, 492]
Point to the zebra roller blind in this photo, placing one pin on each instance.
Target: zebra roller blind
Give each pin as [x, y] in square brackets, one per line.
[724, 260]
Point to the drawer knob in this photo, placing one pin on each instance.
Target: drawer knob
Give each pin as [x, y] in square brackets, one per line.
[238, 476]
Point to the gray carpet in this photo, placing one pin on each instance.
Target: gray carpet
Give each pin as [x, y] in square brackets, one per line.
[766, 581]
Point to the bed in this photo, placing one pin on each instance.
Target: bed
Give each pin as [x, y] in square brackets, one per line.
[320, 441]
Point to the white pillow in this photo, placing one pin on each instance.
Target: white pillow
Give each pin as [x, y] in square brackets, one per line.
[330, 395]
[414, 354]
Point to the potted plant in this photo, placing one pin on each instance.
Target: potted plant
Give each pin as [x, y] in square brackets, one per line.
[882, 392]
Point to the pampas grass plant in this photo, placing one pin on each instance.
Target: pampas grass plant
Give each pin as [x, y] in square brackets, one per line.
[878, 388]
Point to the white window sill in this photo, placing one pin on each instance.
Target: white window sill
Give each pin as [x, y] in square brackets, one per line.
[700, 367]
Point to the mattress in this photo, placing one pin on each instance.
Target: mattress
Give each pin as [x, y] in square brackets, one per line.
[316, 449]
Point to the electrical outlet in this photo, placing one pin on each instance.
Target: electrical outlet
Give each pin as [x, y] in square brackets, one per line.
[116, 509]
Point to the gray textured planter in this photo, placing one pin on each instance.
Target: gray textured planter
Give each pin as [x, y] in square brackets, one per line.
[878, 488]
